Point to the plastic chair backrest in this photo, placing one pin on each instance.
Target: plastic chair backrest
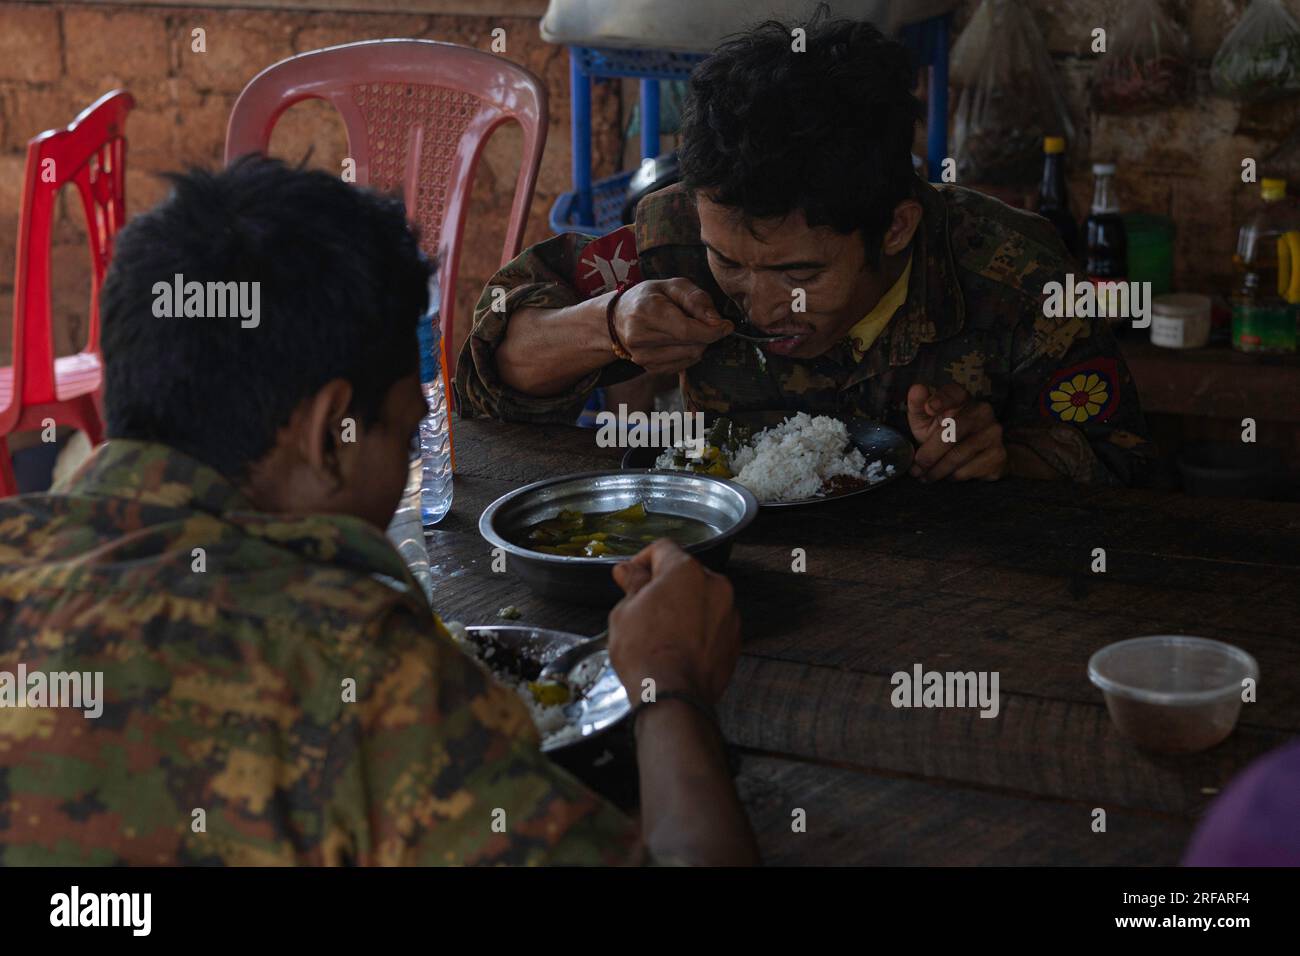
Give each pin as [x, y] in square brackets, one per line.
[91, 154]
[417, 114]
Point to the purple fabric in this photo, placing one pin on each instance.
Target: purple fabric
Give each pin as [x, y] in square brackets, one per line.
[1256, 822]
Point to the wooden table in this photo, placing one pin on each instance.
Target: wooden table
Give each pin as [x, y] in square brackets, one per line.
[955, 577]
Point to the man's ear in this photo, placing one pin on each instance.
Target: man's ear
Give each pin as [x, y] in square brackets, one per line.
[907, 217]
[323, 426]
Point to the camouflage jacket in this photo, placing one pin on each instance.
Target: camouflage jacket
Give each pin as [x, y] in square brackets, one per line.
[227, 641]
[973, 315]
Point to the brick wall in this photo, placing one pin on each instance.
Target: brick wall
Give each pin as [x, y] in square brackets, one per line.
[57, 58]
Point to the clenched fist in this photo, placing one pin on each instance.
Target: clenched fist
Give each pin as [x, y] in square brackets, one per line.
[677, 625]
[666, 324]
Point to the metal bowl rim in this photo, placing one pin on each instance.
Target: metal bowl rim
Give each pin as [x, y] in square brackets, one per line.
[489, 533]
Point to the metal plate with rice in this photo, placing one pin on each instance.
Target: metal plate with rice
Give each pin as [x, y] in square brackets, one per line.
[876, 442]
[518, 653]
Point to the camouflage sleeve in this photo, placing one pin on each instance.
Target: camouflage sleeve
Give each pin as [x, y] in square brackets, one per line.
[442, 766]
[1074, 403]
[548, 276]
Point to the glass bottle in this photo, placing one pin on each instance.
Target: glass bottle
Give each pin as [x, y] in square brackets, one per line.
[1053, 196]
[1267, 263]
[1107, 240]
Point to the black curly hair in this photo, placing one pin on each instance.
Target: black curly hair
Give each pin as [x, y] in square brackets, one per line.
[768, 130]
[343, 286]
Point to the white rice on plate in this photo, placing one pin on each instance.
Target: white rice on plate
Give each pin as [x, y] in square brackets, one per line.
[794, 460]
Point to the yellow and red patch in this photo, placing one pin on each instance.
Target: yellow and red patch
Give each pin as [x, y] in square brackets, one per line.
[1087, 392]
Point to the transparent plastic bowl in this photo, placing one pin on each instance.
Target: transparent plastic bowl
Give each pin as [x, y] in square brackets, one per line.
[1170, 693]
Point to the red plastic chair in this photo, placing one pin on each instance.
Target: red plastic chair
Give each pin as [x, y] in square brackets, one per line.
[417, 113]
[91, 154]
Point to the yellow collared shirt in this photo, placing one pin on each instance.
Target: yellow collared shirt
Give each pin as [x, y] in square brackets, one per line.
[869, 328]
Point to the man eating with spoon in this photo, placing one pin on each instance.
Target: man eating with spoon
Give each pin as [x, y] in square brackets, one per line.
[802, 265]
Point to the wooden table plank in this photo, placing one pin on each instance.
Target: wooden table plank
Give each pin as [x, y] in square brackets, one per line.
[1038, 650]
[1140, 582]
[956, 578]
[1066, 746]
[1045, 746]
[881, 613]
[1053, 517]
[876, 820]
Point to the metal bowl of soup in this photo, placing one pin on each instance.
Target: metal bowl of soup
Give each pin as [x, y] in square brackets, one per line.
[546, 545]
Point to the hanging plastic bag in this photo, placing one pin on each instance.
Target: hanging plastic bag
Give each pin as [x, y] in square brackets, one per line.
[1261, 56]
[1147, 65]
[1009, 97]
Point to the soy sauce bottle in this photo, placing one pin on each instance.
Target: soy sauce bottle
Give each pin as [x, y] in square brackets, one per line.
[1107, 240]
[1053, 198]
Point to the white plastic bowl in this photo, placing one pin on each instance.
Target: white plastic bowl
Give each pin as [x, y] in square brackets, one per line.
[1173, 693]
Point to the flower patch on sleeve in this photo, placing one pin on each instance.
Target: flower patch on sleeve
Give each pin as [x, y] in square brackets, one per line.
[1087, 392]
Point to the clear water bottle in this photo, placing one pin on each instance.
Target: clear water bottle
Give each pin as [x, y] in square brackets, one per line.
[435, 430]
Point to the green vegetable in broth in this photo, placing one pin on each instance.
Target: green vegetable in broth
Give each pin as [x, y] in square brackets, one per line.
[634, 513]
[723, 439]
[611, 533]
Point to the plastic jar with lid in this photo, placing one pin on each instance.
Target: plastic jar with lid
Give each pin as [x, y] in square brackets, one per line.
[1180, 321]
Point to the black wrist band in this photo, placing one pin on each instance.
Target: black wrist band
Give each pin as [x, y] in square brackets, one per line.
[683, 696]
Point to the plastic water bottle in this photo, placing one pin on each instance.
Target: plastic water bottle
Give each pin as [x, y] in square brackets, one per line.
[435, 430]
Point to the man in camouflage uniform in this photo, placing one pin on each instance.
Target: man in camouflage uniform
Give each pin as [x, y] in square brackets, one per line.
[275, 688]
[904, 302]
[227, 692]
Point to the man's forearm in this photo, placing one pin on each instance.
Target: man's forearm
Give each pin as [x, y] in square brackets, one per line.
[546, 351]
[1052, 451]
[1024, 462]
[689, 809]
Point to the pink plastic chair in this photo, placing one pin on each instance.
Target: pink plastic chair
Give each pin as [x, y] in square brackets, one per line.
[91, 154]
[417, 113]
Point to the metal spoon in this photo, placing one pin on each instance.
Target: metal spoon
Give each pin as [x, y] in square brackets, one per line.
[559, 669]
[757, 336]
[751, 332]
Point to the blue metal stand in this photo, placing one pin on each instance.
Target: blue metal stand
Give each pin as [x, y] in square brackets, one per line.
[928, 42]
[596, 207]
[580, 199]
[649, 119]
